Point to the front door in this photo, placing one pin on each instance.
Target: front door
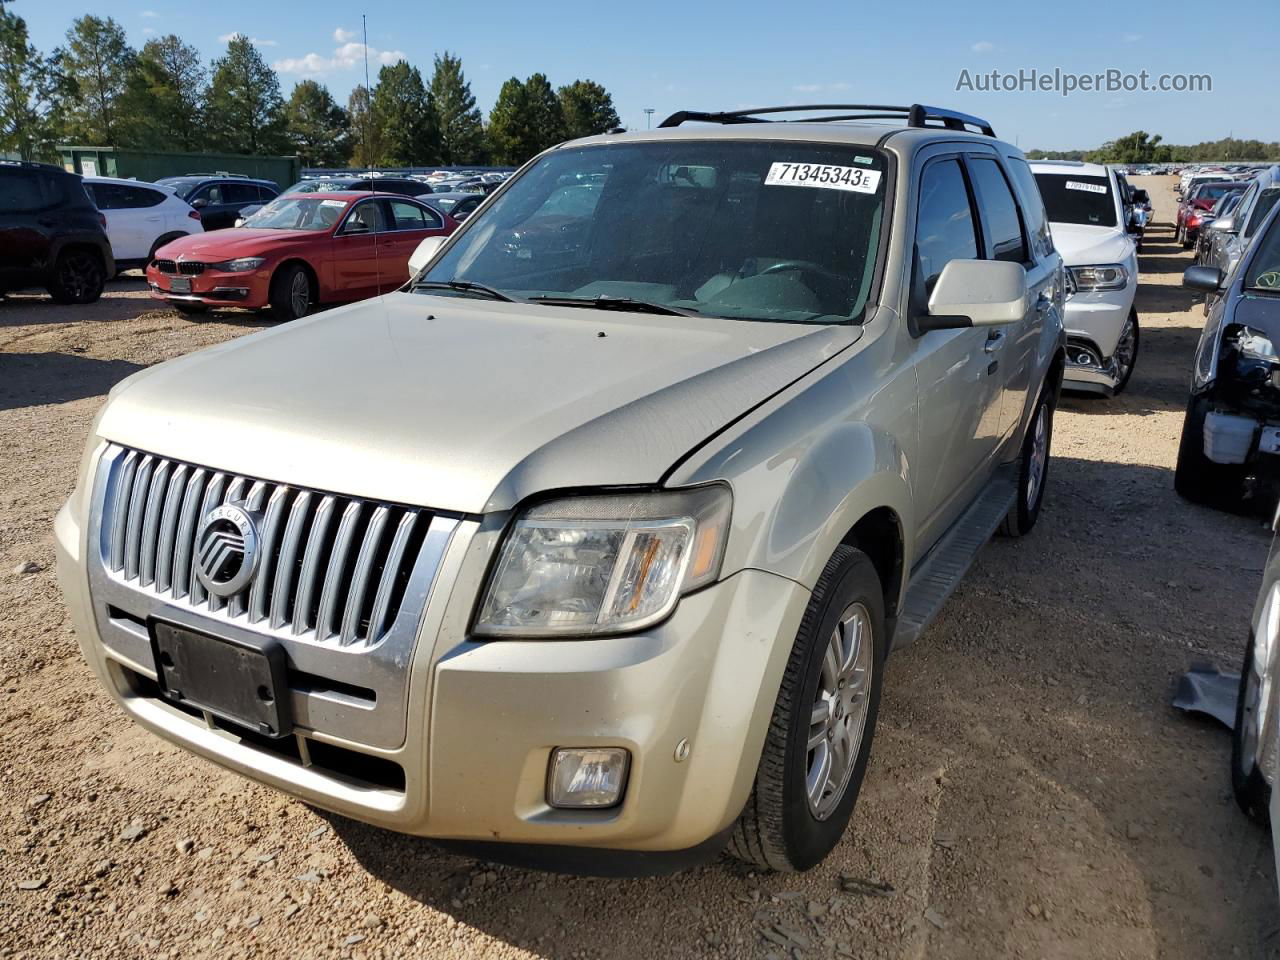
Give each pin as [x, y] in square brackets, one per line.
[356, 253]
[958, 373]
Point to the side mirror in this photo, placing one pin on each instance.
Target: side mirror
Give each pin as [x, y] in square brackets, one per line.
[1208, 279]
[353, 227]
[422, 256]
[200, 204]
[976, 293]
[1226, 224]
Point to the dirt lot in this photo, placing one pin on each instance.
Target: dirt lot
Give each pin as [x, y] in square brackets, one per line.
[1031, 793]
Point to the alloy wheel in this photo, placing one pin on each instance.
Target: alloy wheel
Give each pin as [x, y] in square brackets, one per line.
[1125, 350]
[839, 713]
[1038, 455]
[300, 294]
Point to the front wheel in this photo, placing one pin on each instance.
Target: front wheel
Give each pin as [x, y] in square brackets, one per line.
[1126, 355]
[78, 277]
[291, 295]
[1250, 787]
[1196, 477]
[816, 749]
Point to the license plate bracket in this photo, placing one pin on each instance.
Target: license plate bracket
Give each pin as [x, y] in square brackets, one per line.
[179, 284]
[235, 681]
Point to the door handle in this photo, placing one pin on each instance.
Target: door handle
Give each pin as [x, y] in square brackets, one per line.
[994, 339]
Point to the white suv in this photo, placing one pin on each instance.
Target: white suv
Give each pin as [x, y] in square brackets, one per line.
[141, 217]
[1090, 230]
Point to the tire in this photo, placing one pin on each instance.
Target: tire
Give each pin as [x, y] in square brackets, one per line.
[1022, 517]
[161, 241]
[190, 309]
[1132, 351]
[1250, 787]
[782, 827]
[78, 277]
[1196, 477]
[292, 293]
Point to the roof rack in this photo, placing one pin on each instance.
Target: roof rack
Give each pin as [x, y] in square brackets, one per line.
[916, 115]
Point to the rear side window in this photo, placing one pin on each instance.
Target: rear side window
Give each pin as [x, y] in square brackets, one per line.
[999, 211]
[118, 196]
[410, 216]
[240, 193]
[1033, 212]
[1260, 210]
[944, 224]
[25, 191]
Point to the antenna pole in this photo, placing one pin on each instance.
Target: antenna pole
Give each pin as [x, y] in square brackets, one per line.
[368, 117]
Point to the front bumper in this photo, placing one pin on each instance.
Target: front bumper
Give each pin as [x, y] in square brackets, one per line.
[483, 718]
[214, 288]
[1094, 322]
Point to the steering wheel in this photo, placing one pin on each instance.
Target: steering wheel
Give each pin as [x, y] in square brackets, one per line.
[804, 266]
[1270, 279]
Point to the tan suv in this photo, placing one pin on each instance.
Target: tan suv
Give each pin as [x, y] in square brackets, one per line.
[587, 548]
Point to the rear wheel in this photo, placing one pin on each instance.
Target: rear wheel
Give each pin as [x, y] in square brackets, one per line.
[291, 293]
[1126, 355]
[1196, 477]
[1033, 469]
[815, 753]
[78, 277]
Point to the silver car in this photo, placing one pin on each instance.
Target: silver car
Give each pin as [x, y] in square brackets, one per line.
[1232, 234]
[588, 546]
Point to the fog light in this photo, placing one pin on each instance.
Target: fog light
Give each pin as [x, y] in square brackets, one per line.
[587, 776]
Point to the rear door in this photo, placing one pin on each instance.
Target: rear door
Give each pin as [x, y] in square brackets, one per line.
[1015, 228]
[958, 378]
[27, 222]
[134, 218]
[408, 224]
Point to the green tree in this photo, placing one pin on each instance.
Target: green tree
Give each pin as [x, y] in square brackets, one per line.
[97, 60]
[29, 86]
[508, 125]
[405, 113]
[458, 120]
[367, 141]
[546, 118]
[316, 126]
[587, 109]
[164, 101]
[246, 111]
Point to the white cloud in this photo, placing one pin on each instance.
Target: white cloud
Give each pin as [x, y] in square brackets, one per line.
[343, 36]
[983, 46]
[345, 57]
[228, 37]
[819, 87]
[149, 13]
[148, 32]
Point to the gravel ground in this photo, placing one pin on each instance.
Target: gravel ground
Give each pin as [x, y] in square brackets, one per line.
[1031, 793]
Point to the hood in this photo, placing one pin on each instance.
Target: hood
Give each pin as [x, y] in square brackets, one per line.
[463, 405]
[228, 244]
[1082, 244]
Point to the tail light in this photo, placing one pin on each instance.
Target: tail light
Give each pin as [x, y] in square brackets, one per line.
[102, 219]
[193, 214]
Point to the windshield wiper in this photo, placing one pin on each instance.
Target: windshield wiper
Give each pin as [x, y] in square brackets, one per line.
[467, 286]
[604, 302]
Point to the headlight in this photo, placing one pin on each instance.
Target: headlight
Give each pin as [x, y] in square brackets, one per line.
[604, 564]
[1255, 346]
[242, 265]
[1108, 276]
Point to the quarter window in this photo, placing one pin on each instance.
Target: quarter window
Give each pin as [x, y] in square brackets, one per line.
[944, 225]
[999, 211]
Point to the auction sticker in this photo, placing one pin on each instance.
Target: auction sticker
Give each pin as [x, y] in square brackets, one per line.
[825, 175]
[1086, 187]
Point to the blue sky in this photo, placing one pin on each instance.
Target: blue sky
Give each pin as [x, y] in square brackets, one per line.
[719, 55]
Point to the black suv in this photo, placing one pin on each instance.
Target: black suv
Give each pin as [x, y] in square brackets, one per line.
[51, 234]
[221, 197]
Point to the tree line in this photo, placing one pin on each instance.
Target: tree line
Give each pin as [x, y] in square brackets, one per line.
[98, 90]
[1143, 147]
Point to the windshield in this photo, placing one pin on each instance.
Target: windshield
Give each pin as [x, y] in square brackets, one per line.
[1077, 199]
[1264, 269]
[444, 203]
[297, 212]
[754, 231]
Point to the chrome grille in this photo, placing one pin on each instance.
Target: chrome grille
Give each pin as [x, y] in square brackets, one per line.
[331, 569]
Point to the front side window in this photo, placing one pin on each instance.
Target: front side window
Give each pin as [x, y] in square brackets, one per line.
[1000, 212]
[1032, 208]
[755, 231]
[1072, 198]
[1260, 210]
[944, 223]
[366, 217]
[298, 212]
[1264, 268]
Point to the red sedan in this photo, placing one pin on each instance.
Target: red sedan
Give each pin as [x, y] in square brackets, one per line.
[298, 251]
